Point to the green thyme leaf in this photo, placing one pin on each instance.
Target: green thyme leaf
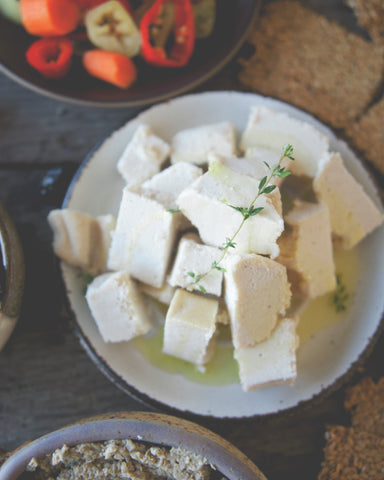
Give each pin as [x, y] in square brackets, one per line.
[283, 174]
[252, 211]
[269, 189]
[216, 266]
[263, 181]
[173, 210]
[340, 295]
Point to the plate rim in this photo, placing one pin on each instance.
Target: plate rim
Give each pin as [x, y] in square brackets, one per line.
[149, 401]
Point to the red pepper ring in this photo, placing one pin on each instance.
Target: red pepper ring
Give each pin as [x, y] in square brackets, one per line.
[51, 56]
[184, 35]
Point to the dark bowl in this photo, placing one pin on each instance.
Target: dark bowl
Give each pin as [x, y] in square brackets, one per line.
[234, 21]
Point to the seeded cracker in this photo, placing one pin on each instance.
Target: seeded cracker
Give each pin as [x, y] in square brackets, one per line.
[352, 454]
[365, 402]
[305, 59]
[370, 15]
[367, 134]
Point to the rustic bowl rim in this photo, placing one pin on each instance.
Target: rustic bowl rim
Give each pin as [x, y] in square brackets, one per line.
[157, 428]
[13, 262]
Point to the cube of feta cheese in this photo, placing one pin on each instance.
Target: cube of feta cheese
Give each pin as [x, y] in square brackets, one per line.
[257, 291]
[222, 313]
[193, 145]
[193, 257]
[117, 307]
[208, 203]
[251, 167]
[306, 250]
[164, 294]
[190, 327]
[270, 362]
[77, 239]
[143, 239]
[269, 129]
[166, 186]
[142, 157]
[256, 156]
[352, 212]
[107, 225]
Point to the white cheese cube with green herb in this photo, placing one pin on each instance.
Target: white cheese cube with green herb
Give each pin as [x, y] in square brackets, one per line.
[352, 212]
[252, 167]
[193, 145]
[78, 239]
[271, 362]
[216, 203]
[190, 325]
[166, 186]
[143, 239]
[142, 157]
[117, 307]
[269, 129]
[257, 291]
[192, 260]
[257, 156]
[306, 250]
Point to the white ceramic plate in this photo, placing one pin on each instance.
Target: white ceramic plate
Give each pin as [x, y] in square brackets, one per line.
[323, 361]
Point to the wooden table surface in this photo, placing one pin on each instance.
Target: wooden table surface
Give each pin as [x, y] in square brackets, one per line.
[46, 378]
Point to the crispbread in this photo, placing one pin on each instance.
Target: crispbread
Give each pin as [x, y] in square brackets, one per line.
[367, 135]
[316, 64]
[370, 15]
[352, 454]
[365, 402]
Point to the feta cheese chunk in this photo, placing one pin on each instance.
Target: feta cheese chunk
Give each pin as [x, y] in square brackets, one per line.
[256, 293]
[270, 362]
[117, 307]
[193, 257]
[142, 157]
[193, 145]
[352, 212]
[208, 202]
[190, 327]
[306, 250]
[78, 239]
[164, 294]
[252, 167]
[166, 186]
[143, 239]
[269, 129]
[107, 225]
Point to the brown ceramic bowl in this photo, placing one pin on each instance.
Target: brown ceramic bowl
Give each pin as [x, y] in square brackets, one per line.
[11, 276]
[149, 427]
[233, 22]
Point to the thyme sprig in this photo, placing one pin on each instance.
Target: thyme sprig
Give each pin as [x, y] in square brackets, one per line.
[340, 295]
[263, 189]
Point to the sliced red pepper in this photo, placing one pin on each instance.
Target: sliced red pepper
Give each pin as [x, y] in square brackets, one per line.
[183, 33]
[51, 56]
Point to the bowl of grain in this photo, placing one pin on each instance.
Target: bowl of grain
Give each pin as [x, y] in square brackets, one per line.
[130, 445]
